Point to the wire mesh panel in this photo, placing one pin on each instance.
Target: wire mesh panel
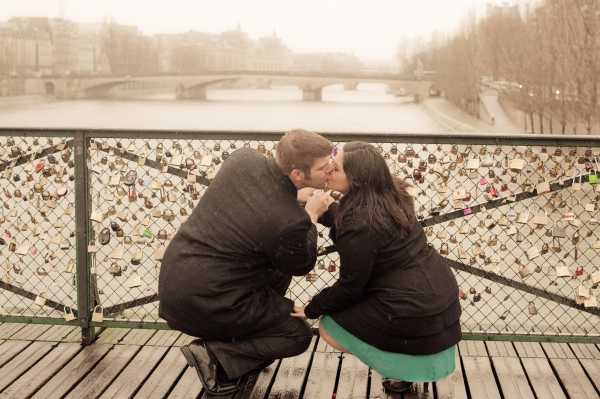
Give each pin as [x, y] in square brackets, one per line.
[517, 224]
[37, 227]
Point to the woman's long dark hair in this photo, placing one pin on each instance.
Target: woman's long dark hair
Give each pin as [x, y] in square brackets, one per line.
[374, 195]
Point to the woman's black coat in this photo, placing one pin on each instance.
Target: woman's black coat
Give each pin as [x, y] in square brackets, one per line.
[395, 293]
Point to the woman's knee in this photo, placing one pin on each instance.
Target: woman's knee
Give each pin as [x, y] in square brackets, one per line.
[330, 340]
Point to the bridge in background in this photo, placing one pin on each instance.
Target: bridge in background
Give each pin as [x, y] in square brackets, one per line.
[195, 86]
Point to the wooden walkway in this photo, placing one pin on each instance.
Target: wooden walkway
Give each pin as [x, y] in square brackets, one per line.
[47, 362]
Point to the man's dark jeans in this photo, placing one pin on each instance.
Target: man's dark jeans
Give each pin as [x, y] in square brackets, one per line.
[289, 338]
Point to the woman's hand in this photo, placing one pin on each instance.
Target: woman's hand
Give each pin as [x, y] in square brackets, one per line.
[304, 194]
[317, 204]
[298, 312]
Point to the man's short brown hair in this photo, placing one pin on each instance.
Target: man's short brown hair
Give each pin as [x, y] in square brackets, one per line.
[299, 148]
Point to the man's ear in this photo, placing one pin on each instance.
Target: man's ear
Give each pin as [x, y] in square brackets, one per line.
[297, 177]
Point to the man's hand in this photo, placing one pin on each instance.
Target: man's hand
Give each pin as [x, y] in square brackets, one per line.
[317, 204]
[304, 194]
[298, 312]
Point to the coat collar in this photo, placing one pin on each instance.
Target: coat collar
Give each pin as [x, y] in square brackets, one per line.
[283, 179]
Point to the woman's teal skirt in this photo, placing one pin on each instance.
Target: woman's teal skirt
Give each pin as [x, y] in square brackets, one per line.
[399, 366]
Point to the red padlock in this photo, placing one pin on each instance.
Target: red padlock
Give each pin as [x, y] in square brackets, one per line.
[332, 267]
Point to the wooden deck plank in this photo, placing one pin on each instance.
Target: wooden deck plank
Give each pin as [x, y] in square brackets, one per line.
[137, 337]
[164, 338]
[75, 370]
[164, 376]
[586, 351]
[321, 377]
[10, 349]
[105, 371]
[189, 386]
[478, 370]
[453, 386]
[500, 349]
[321, 346]
[376, 391]
[184, 339]
[529, 350]
[290, 376]
[512, 377]
[555, 350]
[57, 333]
[135, 373]
[112, 335]
[354, 376]
[264, 380]
[592, 367]
[589, 356]
[542, 378]
[472, 348]
[22, 362]
[31, 332]
[9, 329]
[324, 347]
[29, 382]
[574, 379]
[75, 335]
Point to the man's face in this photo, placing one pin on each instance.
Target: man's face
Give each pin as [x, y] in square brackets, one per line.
[319, 172]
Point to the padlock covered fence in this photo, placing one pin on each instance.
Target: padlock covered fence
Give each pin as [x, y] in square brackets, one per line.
[87, 215]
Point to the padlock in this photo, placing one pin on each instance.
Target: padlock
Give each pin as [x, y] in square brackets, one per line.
[68, 314]
[136, 258]
[332, 267]
[40, 301]
[115, 269]
[104, 236]
[532, 309]
[524, 271]
[444, 249]
[98, 314]
[134, 280]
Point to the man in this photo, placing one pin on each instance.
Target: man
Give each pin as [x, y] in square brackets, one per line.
[225, 273]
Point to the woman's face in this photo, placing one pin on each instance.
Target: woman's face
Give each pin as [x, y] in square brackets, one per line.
[337, 180]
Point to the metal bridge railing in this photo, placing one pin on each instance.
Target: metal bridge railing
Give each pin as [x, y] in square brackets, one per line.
[86, 216]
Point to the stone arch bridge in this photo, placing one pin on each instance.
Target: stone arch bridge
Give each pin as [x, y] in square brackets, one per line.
[195, 86]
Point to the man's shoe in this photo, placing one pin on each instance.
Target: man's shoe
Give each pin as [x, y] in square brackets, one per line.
[396, 386]
[247, 383]
[239, 388]
[197, 356]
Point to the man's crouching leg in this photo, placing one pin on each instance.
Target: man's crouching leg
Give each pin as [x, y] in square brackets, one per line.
[253, 353]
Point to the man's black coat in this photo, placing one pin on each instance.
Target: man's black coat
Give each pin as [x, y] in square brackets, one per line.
[215, 275]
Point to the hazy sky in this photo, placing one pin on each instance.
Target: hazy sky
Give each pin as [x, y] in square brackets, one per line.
[368, 28]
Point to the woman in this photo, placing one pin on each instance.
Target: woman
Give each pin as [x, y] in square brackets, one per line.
[395, 305]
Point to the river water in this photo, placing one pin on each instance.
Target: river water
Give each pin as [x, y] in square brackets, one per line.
[368, 109]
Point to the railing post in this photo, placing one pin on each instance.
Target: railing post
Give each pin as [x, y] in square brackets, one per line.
[84, 299]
